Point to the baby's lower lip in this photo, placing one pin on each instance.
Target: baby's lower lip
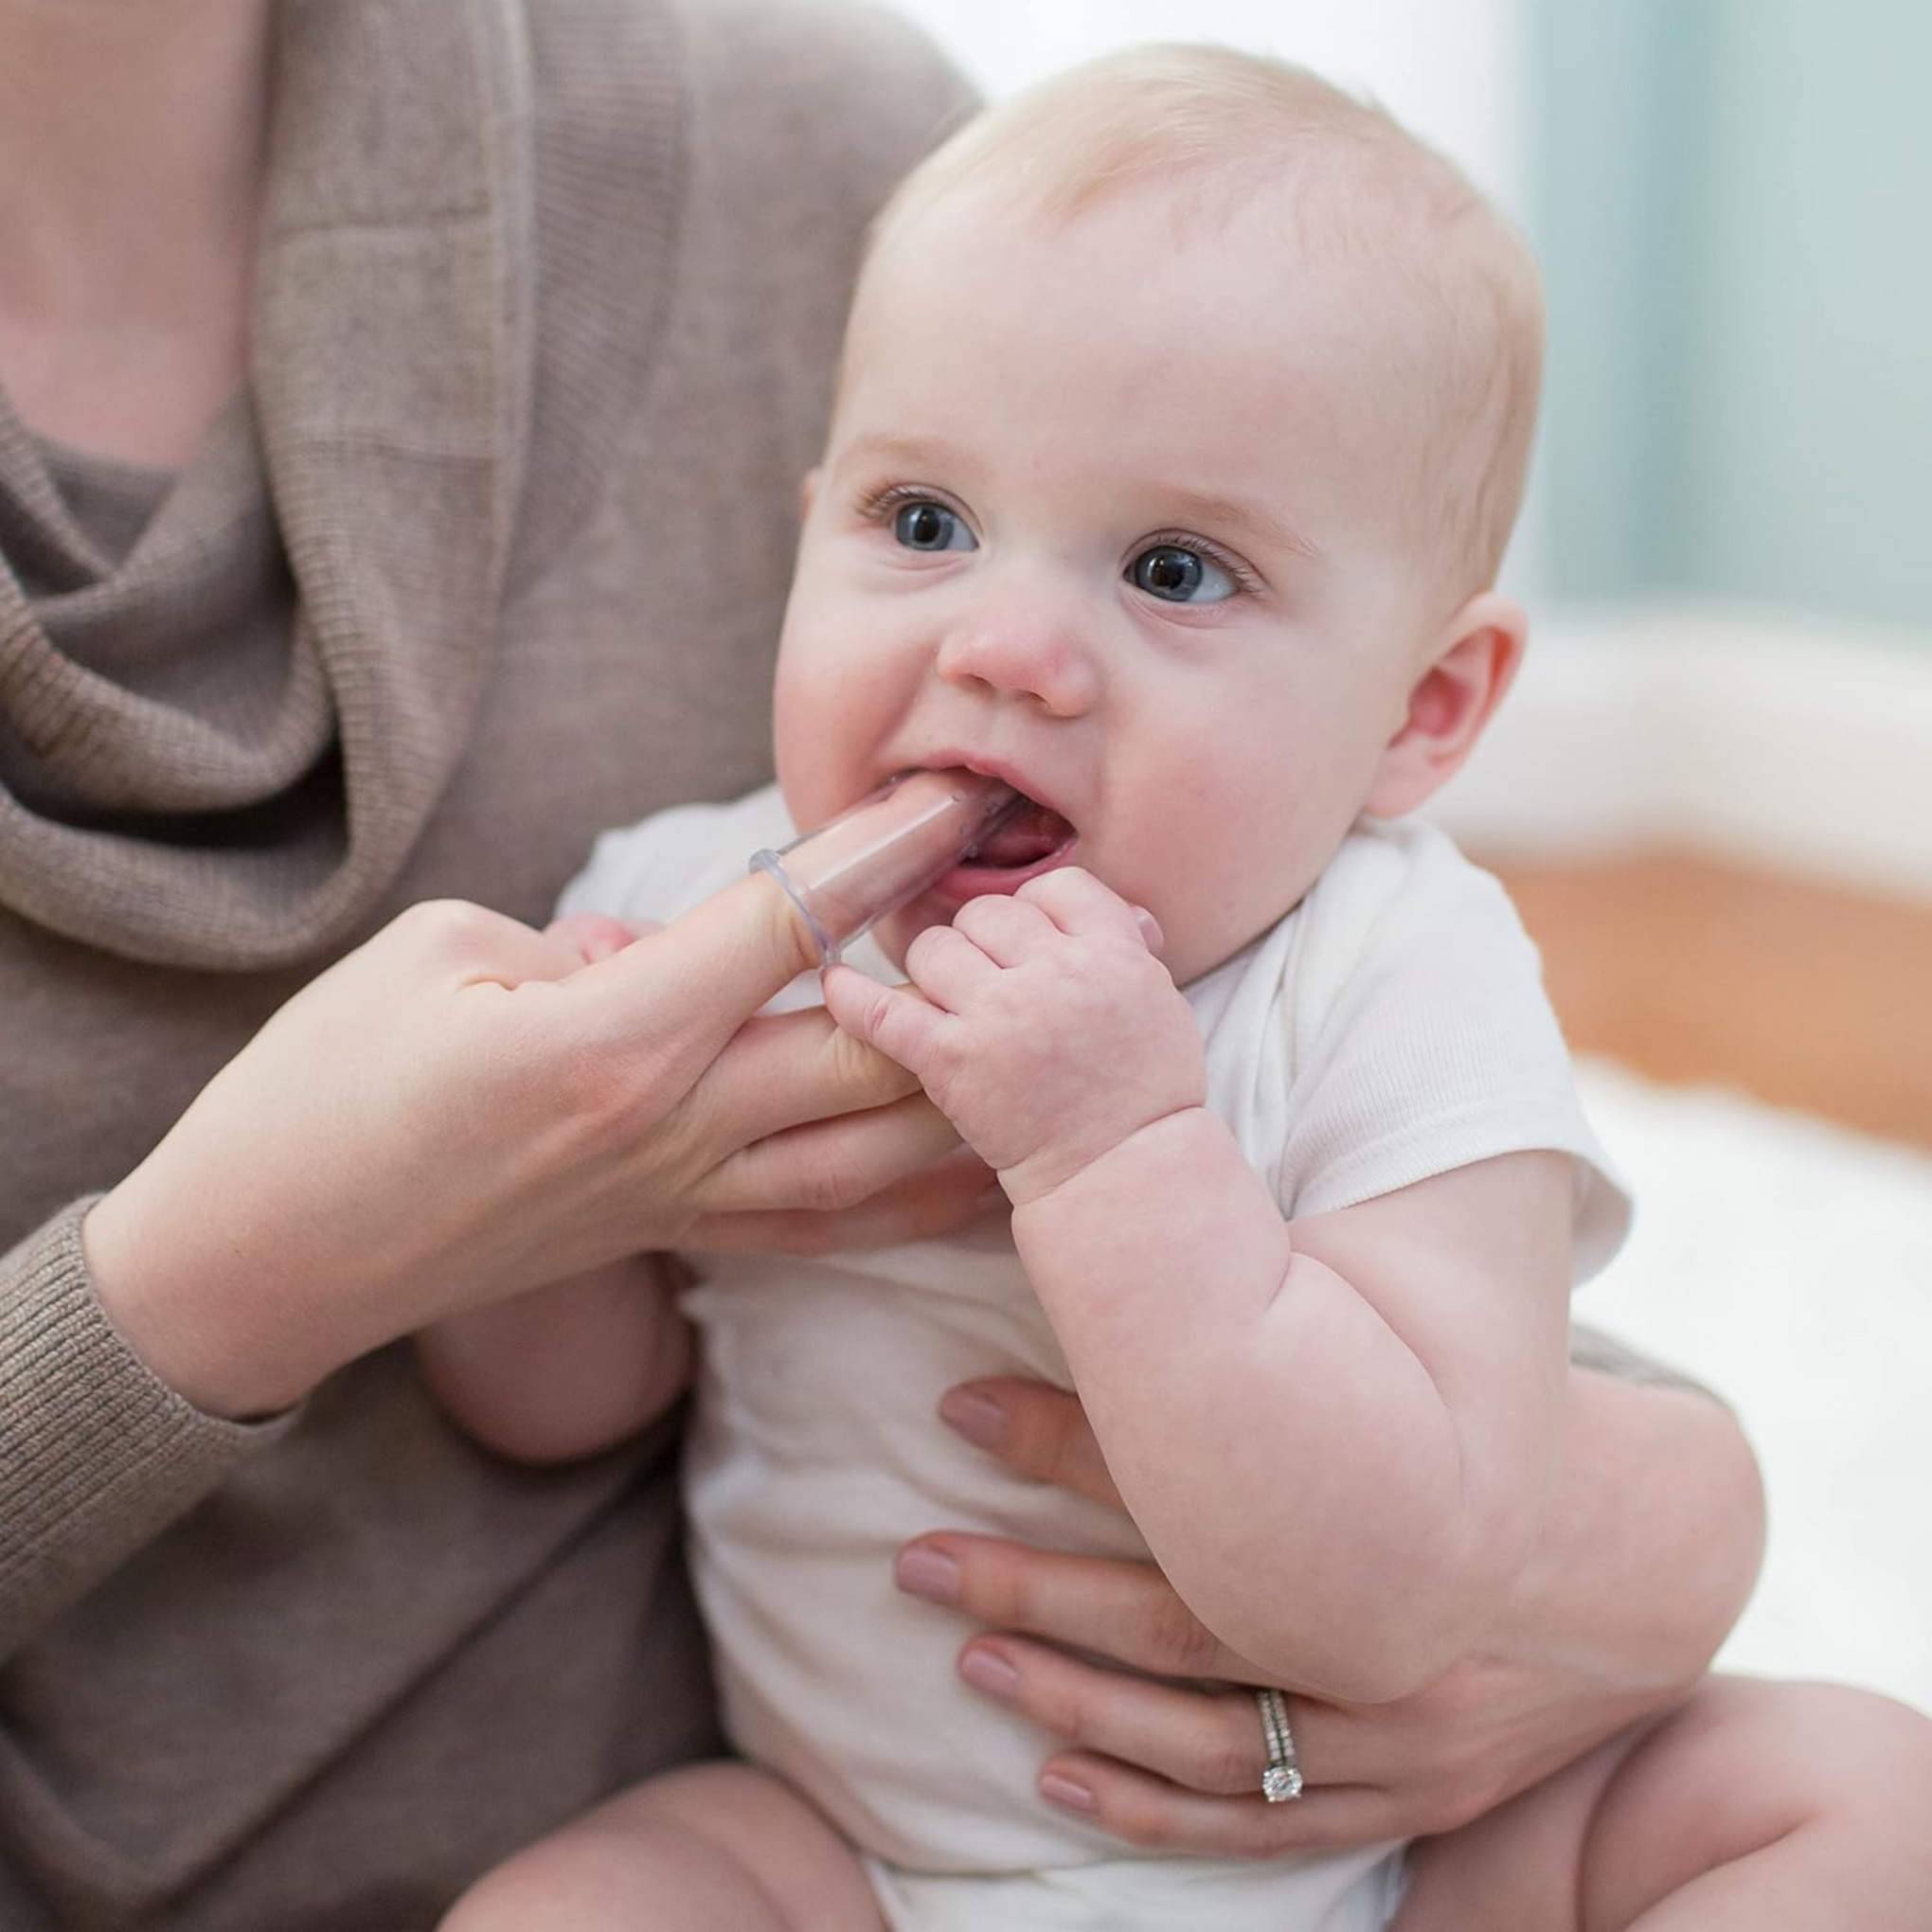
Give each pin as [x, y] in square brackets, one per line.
[962, 883]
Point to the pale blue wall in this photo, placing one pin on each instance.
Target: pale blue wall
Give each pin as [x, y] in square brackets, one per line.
[1734, 205]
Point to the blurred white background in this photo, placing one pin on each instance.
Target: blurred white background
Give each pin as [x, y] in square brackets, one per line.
[1731, 589]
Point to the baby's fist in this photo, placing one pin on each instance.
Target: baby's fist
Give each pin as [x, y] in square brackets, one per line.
[1041, 1025]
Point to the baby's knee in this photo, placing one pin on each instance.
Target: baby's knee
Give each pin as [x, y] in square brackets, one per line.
[1872, 1764]
[1844, 1812]
[1832, 1776]
[1799, 1751]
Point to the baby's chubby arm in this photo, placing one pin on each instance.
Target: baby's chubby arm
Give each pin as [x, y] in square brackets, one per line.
[568, 1370]
[1336, 1433]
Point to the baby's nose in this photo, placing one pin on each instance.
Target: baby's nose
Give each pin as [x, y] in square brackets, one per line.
[1024, 652]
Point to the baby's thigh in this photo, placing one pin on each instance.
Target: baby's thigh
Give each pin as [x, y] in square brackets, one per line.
[718, 1844]
[1752, 1797]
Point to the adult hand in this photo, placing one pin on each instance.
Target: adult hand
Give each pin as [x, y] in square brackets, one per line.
[1163, 1765]
[464, 1108]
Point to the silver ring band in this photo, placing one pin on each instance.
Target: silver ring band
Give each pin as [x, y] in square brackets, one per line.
[1281, 1780]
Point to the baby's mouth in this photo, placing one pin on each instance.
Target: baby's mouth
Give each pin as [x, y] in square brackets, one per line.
[1034, 833]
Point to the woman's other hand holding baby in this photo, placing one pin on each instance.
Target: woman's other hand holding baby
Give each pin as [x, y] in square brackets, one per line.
[1166, 1752]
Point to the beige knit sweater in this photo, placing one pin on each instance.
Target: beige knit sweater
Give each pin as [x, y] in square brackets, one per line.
[490, 557]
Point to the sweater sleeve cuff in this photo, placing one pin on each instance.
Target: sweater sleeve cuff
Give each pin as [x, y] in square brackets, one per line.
[97, 1454]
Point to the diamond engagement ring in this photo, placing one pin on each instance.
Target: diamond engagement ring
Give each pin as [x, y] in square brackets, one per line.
[1281, 1777]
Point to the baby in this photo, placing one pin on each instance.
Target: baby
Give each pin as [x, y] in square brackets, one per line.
[1182, 419]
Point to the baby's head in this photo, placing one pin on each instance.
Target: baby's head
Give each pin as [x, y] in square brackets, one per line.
[1182, 419]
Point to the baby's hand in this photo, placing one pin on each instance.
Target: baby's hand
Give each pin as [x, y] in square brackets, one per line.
[1047, 1032]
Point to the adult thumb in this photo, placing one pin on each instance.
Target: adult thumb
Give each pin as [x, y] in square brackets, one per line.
[708, 972]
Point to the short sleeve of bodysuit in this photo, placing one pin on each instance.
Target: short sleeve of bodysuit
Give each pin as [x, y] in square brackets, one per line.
[1403, 1032]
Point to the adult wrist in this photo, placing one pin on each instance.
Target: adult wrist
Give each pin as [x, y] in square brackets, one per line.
[167, 1311]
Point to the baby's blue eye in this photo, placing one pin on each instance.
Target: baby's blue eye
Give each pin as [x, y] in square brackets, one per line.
[1180, 576]
[931, 526]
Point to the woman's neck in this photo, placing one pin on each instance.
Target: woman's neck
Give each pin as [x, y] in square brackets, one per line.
[132, 142]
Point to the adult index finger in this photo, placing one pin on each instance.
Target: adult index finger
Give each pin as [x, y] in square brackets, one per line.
[1035, 1430]
[1108, 1606]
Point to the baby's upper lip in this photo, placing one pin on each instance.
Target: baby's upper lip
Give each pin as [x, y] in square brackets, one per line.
[945, 758]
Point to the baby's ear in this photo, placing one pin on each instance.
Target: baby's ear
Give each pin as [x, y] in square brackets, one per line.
[1476, 657]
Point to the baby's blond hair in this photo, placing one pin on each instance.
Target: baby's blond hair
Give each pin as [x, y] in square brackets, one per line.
[1351, 182]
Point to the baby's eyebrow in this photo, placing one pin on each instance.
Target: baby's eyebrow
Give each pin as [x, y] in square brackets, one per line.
[900, 451]
[1233, 516]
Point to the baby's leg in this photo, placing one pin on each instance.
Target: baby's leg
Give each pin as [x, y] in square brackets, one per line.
[714, 1845]
[1758, 1807]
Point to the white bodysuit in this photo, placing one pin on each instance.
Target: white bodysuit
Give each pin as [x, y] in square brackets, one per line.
[1391, 1027]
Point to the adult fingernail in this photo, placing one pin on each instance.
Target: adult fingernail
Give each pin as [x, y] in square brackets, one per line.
[987, 1671]
[1064, 1791]
[976, 1415]
[928, 1573]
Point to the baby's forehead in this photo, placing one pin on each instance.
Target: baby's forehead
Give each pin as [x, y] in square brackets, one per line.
[977, 232]
[1365, 240]
[1173, 276]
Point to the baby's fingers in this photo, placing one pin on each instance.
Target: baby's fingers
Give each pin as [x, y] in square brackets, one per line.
[893, 1019]
[1076, 901]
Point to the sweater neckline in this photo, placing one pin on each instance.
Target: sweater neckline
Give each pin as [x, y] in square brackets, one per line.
[112, 499]
[218, 749]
